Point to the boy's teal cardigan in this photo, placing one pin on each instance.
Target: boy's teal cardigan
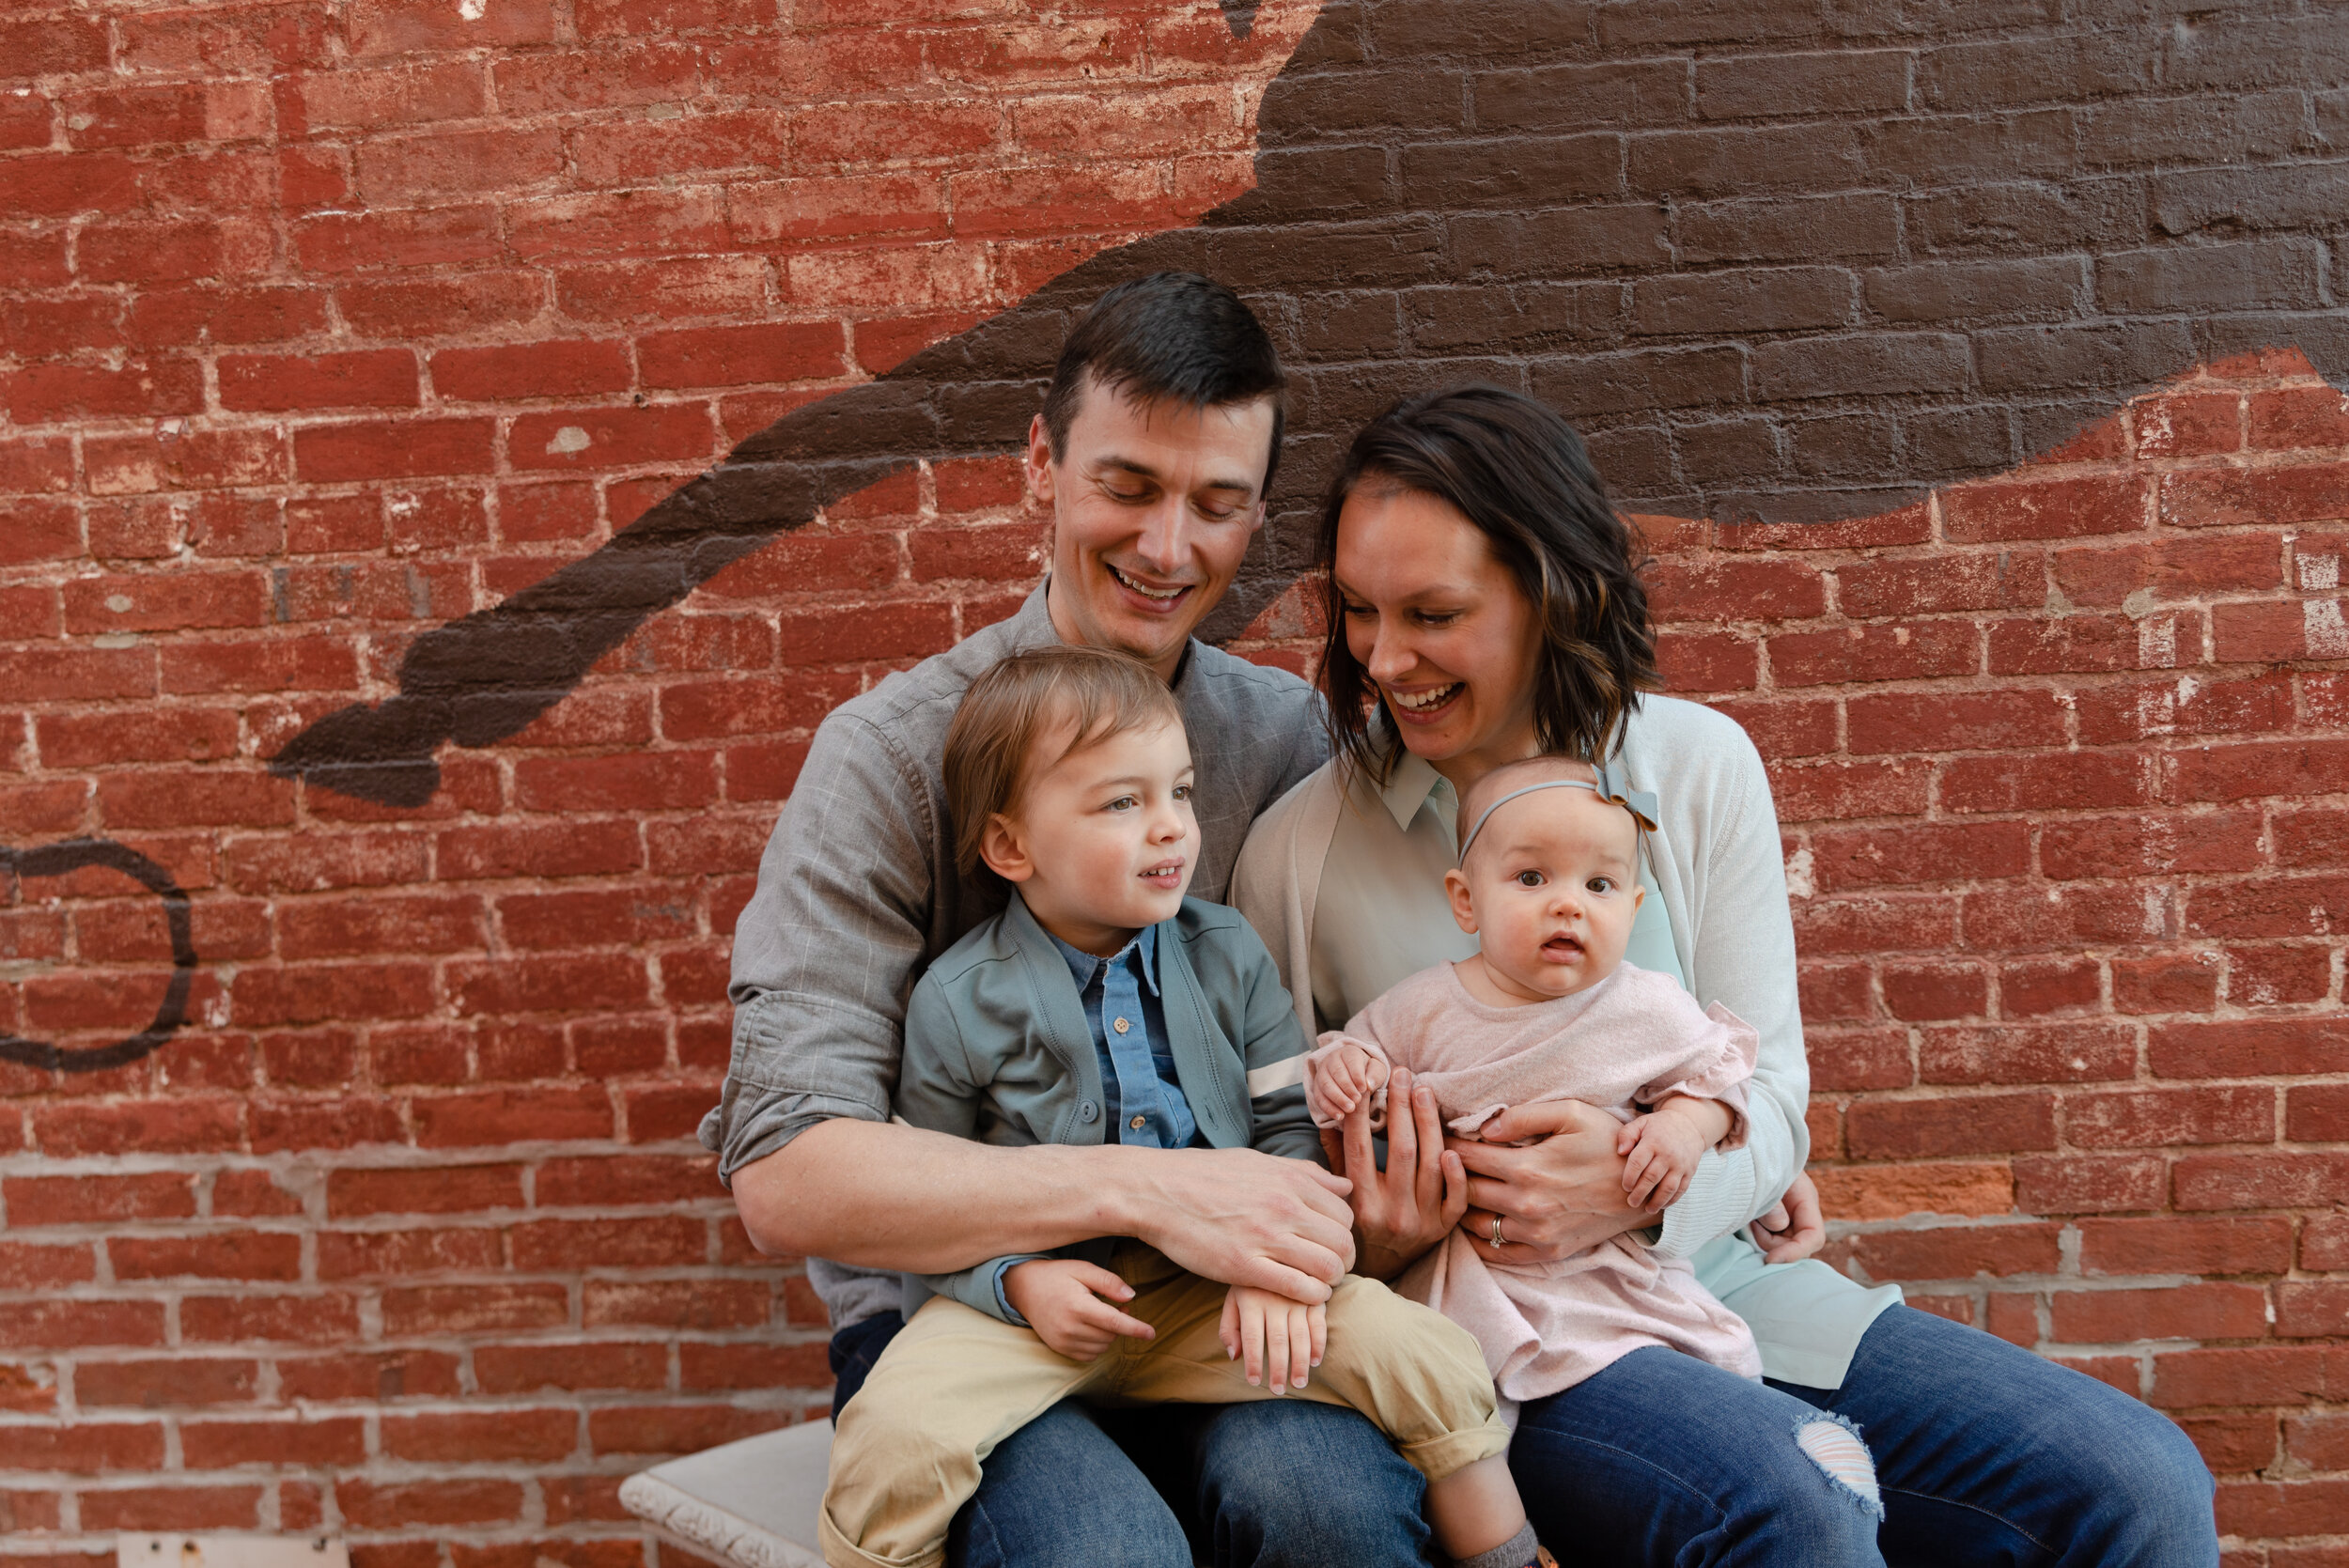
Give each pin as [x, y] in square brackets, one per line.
[997, 1049]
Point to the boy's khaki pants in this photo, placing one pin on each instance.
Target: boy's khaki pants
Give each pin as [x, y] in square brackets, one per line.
[955, 1382]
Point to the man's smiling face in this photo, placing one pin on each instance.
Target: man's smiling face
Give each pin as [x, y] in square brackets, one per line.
[1153, 506]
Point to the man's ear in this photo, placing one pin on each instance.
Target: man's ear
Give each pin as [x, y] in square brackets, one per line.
[1455, 886]
[1004, 851]
[1039, 461]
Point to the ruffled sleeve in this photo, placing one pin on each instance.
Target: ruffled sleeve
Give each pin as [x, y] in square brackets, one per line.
[1718, 1067]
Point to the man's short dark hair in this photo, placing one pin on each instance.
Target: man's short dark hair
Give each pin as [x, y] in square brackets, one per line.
[1175, 335]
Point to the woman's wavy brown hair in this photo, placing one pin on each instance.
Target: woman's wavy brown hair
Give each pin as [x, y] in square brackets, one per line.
[1520, 474]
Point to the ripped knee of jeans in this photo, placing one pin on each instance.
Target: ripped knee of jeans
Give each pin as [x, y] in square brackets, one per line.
[1834, 1445]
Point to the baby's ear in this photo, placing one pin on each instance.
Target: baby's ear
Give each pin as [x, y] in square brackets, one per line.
[1455, 886]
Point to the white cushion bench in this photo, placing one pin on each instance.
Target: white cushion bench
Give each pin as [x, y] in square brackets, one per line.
[753, 1502]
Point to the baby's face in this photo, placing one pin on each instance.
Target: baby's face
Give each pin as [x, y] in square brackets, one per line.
[1550, 888]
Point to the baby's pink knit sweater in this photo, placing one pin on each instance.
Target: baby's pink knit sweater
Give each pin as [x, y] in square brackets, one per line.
[1620, 1045]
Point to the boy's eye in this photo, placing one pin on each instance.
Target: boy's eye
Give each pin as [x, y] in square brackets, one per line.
[1530, 878]
[1124, 802]
[1182, 792]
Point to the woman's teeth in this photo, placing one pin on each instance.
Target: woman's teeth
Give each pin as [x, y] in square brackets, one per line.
[1160, 594]
[1419, 701]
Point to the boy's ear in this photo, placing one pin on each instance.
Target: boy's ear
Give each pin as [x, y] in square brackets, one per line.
[1455, 886]
[1003, 850]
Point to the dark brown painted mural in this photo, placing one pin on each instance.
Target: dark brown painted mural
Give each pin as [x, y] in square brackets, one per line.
[1915, 242]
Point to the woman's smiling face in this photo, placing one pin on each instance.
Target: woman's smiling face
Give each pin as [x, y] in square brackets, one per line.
[1442, 627]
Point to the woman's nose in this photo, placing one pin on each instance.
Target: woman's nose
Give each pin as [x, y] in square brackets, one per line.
[1391, 655]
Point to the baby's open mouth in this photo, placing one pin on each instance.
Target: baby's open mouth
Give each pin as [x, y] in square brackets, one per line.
[1562, 949]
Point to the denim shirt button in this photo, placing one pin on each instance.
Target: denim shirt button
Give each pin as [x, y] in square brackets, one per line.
[1087, 1111]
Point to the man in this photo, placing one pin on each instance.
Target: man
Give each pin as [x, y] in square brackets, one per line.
[1156, 443]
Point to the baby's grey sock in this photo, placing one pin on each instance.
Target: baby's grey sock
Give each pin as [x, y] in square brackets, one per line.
[1516, 1552]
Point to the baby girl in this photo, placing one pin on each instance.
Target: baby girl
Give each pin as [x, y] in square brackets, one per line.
[1549, 883]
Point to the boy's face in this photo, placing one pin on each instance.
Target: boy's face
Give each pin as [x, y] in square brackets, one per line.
[1550, 889]
[1104, 841]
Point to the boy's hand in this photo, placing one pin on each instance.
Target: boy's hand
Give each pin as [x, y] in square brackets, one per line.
[1661, 1149]
[1347, 1077]
[1277, 1340]
[1067, 1303]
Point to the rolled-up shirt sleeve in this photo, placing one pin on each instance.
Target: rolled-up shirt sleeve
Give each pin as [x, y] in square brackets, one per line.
[828, 948]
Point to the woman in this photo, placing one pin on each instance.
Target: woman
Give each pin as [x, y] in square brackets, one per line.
[1484, 606]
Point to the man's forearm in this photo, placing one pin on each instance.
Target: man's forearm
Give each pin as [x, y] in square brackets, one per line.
[883, 1195]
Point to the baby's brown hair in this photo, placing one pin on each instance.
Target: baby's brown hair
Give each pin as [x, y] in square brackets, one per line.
[1010, 710]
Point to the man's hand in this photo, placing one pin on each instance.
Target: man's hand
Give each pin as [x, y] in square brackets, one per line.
[1347, 1076]
[1661, 1149]
[1067, 1303]
[1554, 1198]
[1275, 1340]
[1247, 1219]
[1795, 1229]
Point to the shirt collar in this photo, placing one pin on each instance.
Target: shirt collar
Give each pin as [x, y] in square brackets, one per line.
[1031, 627]
[1084, 966]
[1414, 783]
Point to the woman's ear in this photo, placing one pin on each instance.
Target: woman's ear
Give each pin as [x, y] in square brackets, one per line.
[1455, 886]
[1004, 850]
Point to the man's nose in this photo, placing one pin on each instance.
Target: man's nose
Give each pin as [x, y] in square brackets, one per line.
[1164, 543]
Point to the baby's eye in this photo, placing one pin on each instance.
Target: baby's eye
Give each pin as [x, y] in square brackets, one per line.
[1530, 878]
[1601, 884]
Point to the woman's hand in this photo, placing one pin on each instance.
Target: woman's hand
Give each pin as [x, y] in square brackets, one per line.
[1413, 1204]
[1793, 1229]
[1553, 1199]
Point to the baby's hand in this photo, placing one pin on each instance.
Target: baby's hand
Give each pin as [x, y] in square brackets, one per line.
[1277, 1340]
[1661, 1149]
[1344, 1078]
[1067, 1303]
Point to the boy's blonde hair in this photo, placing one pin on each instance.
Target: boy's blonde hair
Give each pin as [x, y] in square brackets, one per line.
[1008, 711]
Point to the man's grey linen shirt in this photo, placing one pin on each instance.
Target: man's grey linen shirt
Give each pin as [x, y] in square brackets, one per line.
[858, 890]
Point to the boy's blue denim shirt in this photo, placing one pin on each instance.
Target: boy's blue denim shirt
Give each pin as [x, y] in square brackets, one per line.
[1140, 1090]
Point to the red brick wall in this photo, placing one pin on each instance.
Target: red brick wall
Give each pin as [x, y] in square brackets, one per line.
[404, 1232]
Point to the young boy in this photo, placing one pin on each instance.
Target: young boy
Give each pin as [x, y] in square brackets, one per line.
[1547, 1009]
[1101, 1002]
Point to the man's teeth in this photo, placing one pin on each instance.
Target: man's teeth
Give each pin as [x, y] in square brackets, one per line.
[1175, 592]
[1419, 700]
